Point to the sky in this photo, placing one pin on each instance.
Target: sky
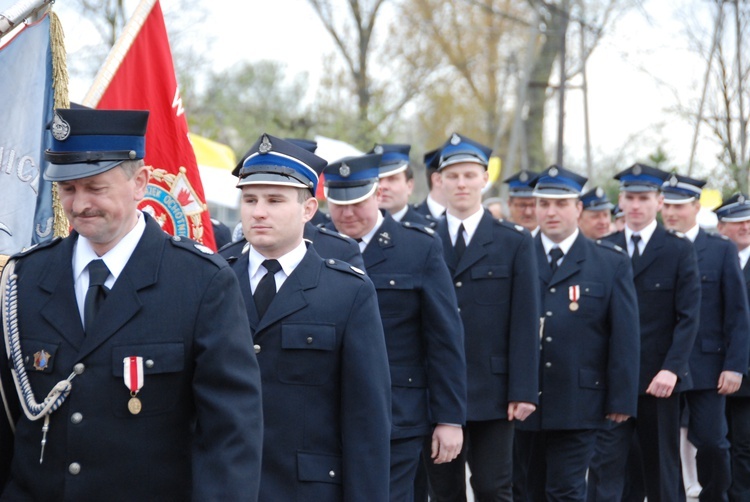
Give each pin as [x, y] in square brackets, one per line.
[626, 98]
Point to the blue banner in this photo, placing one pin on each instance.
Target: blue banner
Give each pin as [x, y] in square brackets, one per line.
[26, 215]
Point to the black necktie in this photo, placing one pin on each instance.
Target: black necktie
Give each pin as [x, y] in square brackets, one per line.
[460, 246]
[554, 256]
[97, 292]
[266, 288]
[636, 252]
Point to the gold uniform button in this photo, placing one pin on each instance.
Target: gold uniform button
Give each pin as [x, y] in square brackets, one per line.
[74, 468]
[257, 349]
[548, 313]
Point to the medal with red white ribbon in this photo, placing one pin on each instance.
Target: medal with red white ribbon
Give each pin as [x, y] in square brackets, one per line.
[574, 293]
[132, 374]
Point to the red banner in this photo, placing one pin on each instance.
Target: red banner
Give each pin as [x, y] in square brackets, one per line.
[145, 80]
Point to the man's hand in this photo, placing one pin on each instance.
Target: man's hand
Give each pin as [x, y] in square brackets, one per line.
[663, 384]
[729, 382]
[518, 410]
[617, 417]
[447, 441]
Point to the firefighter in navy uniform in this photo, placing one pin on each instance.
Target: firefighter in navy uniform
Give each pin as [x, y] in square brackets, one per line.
[147, 332]
[318, 338]
[589, 342]
[420, 319]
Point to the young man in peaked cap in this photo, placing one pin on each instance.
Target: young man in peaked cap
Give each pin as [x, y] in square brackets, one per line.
[521, 203]
[734, 223]
[494, 273]
[396, 182]
[720, 353]
[589, 342]
[433, 207]
[667, 282]
[420, 319]
[318, 338]
[143, 333]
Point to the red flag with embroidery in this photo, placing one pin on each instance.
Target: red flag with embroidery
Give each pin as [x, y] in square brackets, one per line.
[139, 75]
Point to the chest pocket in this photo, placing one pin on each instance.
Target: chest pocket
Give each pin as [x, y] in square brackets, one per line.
[491, 284]
[307, 353]
[39, 356]
[395, 294]
[163, 375]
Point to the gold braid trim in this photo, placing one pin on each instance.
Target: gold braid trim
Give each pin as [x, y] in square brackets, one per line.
[60, 86]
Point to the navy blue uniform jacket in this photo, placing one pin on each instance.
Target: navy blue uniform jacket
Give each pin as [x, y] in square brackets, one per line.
[423, 330]
[497, 287]
[200, 431]
[589, 360]
[745, 387]
[669, 295]
[723, 341]
[326, 385]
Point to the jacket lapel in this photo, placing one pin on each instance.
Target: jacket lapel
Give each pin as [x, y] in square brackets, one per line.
[652, 250]
[701, 240]
[475, 251]
[61, 310]
[571, 263]
[375, 251]
[448, 253]
[542, 263]
[122, 302]
[240, 267]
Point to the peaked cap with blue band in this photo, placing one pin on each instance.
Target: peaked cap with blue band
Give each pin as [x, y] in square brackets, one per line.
[459, 149]
[352, 179]
[87, 142]
[306, 144]
[519, 185]
[432, 160]
[641, 178]
[596, 200]
[680, 189]
[556, 182]
[273, 161]
[617, 212]
[734, 209]
[395, 158]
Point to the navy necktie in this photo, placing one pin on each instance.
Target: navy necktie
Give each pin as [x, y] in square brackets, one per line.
[554, 256]
[97, 292]
[636, 252]
[460, 246]
[266, 288]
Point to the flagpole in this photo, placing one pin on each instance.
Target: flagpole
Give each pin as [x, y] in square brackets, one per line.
[18, 12]
[117, 54]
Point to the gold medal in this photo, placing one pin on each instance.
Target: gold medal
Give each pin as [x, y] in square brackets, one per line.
[134, 405]
[573, 306]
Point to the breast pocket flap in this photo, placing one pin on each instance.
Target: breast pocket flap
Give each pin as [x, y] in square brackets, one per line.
[320, 467]
[308, 336]
[157, 357]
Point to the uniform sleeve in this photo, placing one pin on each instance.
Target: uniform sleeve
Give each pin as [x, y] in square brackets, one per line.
[365, 402]
[523, 356]
[735, 315]
[687, 303]
[444, 338]
[226, 387]
[624, 344]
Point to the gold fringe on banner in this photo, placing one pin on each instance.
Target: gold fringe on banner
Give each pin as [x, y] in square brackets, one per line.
[60, 86]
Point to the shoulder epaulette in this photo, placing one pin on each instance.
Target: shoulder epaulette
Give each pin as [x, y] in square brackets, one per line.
[342, 266]
[674, 232]
[512, 226]
[333, 233]
[232, 250]
[609, 245]
[416, 226]
[196, 248]
[716, 235]
[36, 247]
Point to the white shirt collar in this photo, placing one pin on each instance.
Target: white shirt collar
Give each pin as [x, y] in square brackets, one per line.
[565, 245]
[435, 208]
[288, 263]
[744, 256]
[399, 215]
[645, 233]
[470, 225]
[693, 233]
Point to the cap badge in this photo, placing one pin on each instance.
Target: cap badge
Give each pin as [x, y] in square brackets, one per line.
[741, 199]
[455, 139]
[524, 176]
[60, 128]
[345, 170]
[41, 360]
[265, 145]
[673, 181]
[378, 149]
[553, 172]
[599, 192]
[637, 170]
